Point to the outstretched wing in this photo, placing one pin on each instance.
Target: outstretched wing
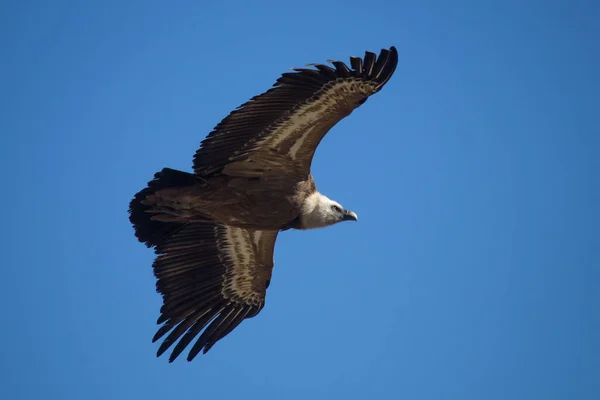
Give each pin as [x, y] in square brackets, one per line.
[211, 277]
[278, 131]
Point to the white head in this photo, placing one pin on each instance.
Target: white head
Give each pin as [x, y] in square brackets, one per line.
[318, 211]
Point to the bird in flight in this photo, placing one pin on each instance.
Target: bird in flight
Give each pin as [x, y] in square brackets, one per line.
[214, 230]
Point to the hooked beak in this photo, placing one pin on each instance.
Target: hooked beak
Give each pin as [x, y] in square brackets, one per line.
[350, 216]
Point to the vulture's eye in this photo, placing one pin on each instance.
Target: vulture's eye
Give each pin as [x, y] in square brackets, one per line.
[336, 208]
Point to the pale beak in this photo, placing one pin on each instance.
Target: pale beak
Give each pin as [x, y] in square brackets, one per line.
[350, 216]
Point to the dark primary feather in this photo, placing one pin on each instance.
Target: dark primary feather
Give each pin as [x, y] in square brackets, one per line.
[255, 118]
[369, 63]
[357, 65]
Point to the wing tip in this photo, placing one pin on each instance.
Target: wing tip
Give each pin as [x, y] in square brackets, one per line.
[378, 68]
[385, 66]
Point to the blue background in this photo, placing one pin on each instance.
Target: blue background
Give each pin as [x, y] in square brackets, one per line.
[473, 272]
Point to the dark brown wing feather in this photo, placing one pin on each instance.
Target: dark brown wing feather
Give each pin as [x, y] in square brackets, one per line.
[300, 109]
[211, 277]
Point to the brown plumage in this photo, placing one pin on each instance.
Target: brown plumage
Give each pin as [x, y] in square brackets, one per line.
[214, 231]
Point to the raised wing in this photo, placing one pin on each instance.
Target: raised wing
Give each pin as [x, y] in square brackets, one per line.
[211, 277]
[278, 131]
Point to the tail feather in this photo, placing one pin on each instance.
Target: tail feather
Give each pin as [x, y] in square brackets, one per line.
[148, 230]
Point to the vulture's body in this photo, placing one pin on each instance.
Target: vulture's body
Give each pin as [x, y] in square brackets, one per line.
[214, 230]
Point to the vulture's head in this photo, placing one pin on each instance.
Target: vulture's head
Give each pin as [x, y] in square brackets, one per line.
[319, 211]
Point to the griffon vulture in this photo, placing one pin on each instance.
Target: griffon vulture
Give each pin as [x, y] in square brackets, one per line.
[214, 230]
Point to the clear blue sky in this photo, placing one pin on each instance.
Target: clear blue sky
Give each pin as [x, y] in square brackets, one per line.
[473, 272]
